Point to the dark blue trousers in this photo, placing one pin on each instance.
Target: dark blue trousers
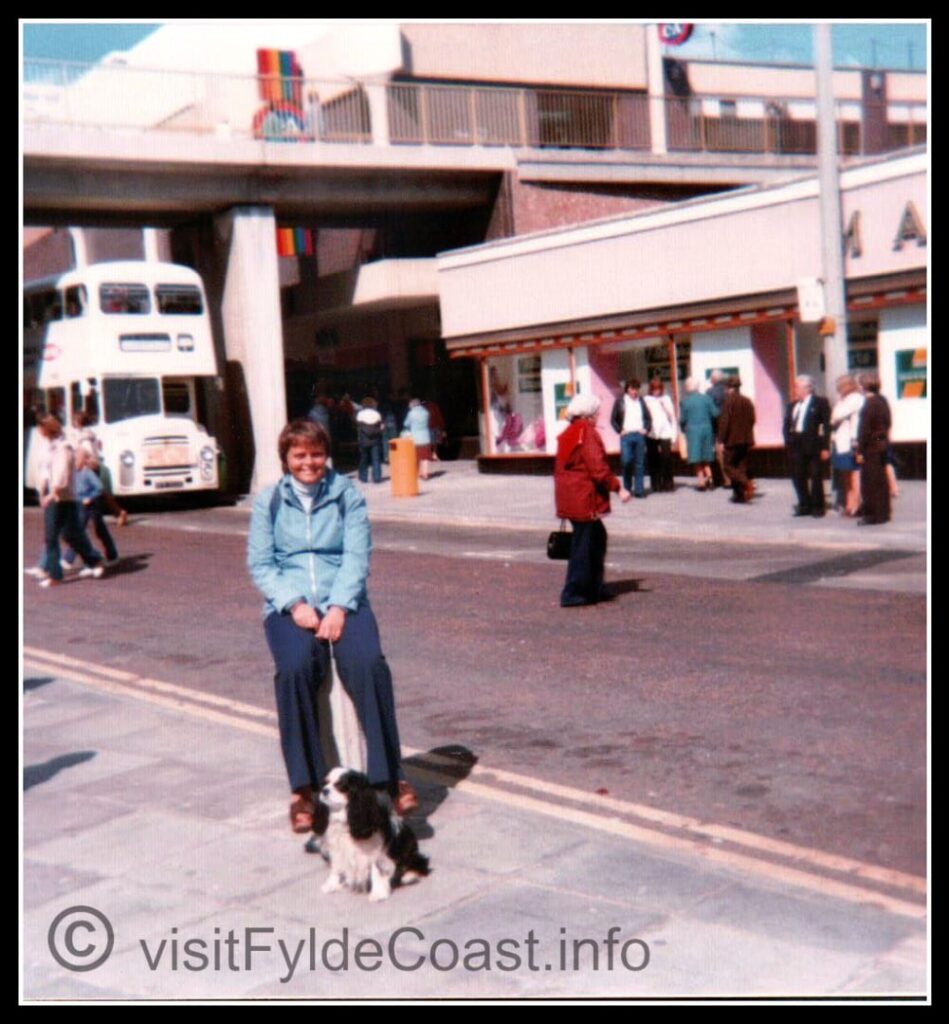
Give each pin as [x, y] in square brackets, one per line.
[302, 663]
[633, 458]
[61, 519]
[371, 455]
[94, 512]
[584, 583]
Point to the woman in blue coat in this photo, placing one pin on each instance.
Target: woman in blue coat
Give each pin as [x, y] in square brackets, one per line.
[417, 426]
[308, 554]
[697, 415]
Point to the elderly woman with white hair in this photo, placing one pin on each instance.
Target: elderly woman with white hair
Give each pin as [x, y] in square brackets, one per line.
[697, 415]
[582, 485]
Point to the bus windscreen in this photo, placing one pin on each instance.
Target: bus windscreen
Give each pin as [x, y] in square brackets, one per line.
[128, 397]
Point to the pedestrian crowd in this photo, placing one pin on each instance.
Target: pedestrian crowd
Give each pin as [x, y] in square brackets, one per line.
[74, 491]
[373, 422]
[714, 434]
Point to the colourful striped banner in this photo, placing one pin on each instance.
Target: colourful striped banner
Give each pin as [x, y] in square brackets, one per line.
[295, 242]
[281, 77]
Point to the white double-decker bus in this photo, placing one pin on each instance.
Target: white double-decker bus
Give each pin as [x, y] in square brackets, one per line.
[126, 343]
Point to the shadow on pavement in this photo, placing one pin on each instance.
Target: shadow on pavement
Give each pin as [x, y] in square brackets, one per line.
[631, 586]
[34, 774]
[35, 682]
[452, 761]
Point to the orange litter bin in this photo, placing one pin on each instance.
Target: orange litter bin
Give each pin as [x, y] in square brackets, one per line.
[403, 467]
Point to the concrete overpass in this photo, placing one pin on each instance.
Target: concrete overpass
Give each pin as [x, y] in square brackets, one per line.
[72, 174]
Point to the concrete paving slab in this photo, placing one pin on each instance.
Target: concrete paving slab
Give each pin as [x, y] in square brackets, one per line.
[222, 752]
[48, 816]
[301, 901]
[161, 785]
[155, 846]
[629, 873]
[473, 841]
[50, 882]
[819, 922]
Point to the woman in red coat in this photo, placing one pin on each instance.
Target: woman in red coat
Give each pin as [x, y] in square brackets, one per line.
[582, 485]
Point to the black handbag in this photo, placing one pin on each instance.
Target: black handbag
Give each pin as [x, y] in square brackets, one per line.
[559, 542]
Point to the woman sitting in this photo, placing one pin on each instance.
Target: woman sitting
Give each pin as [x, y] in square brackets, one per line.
[308, 554]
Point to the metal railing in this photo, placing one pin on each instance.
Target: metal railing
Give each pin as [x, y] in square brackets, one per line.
[118, 97]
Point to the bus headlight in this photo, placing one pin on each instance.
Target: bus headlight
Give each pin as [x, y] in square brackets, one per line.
[185, 343]
[127, 468]
[208, 456]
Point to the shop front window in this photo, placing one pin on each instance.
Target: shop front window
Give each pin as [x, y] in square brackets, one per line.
[517, 407]
[862, 346]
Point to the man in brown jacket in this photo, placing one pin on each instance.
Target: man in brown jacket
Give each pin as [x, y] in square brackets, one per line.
[736, 435]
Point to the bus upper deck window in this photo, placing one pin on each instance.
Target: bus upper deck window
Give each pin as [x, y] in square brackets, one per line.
[179, 298]
[124, 298]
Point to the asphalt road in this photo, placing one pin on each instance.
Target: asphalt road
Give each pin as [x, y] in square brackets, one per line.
[744, 686]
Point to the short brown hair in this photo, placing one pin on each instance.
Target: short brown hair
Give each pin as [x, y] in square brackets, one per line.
[301, 432]
[50, 425]
[656, 384]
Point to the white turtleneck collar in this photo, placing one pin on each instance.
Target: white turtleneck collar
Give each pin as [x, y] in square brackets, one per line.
[306, 492]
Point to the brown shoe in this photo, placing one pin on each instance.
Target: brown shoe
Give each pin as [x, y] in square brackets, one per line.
[302, 810]
[406, 801]
[123, 517]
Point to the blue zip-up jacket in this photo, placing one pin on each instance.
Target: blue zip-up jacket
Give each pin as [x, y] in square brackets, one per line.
[321, 558]
[88, 485]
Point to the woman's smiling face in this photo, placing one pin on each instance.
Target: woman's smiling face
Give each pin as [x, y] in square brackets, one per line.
[307, 463]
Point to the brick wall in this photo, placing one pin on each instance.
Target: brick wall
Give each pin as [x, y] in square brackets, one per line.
[537, 207]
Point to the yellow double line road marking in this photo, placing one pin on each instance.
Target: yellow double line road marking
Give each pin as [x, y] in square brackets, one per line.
[781, 862]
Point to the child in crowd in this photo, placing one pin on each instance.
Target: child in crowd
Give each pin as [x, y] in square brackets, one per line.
[89, 495]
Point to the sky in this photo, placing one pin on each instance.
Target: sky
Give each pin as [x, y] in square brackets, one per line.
[896, 45]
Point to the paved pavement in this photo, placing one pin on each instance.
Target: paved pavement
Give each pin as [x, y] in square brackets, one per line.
[168, 818]
[458, 493]
[164, 811]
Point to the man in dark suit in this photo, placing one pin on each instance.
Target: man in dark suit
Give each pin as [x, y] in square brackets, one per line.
[807, 438]
[736, 435]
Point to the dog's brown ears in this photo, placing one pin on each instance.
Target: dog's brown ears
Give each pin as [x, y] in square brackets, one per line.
[321, 818]
[364, 812]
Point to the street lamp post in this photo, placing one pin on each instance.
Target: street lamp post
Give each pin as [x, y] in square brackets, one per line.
[834, 327]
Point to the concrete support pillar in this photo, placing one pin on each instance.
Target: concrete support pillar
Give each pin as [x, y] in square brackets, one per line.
[377, 98]
[80, 253]
[253, 331]
[655, 80]
[150, 242]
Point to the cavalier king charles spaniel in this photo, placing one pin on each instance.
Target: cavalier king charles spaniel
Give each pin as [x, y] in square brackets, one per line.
[369, 847]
